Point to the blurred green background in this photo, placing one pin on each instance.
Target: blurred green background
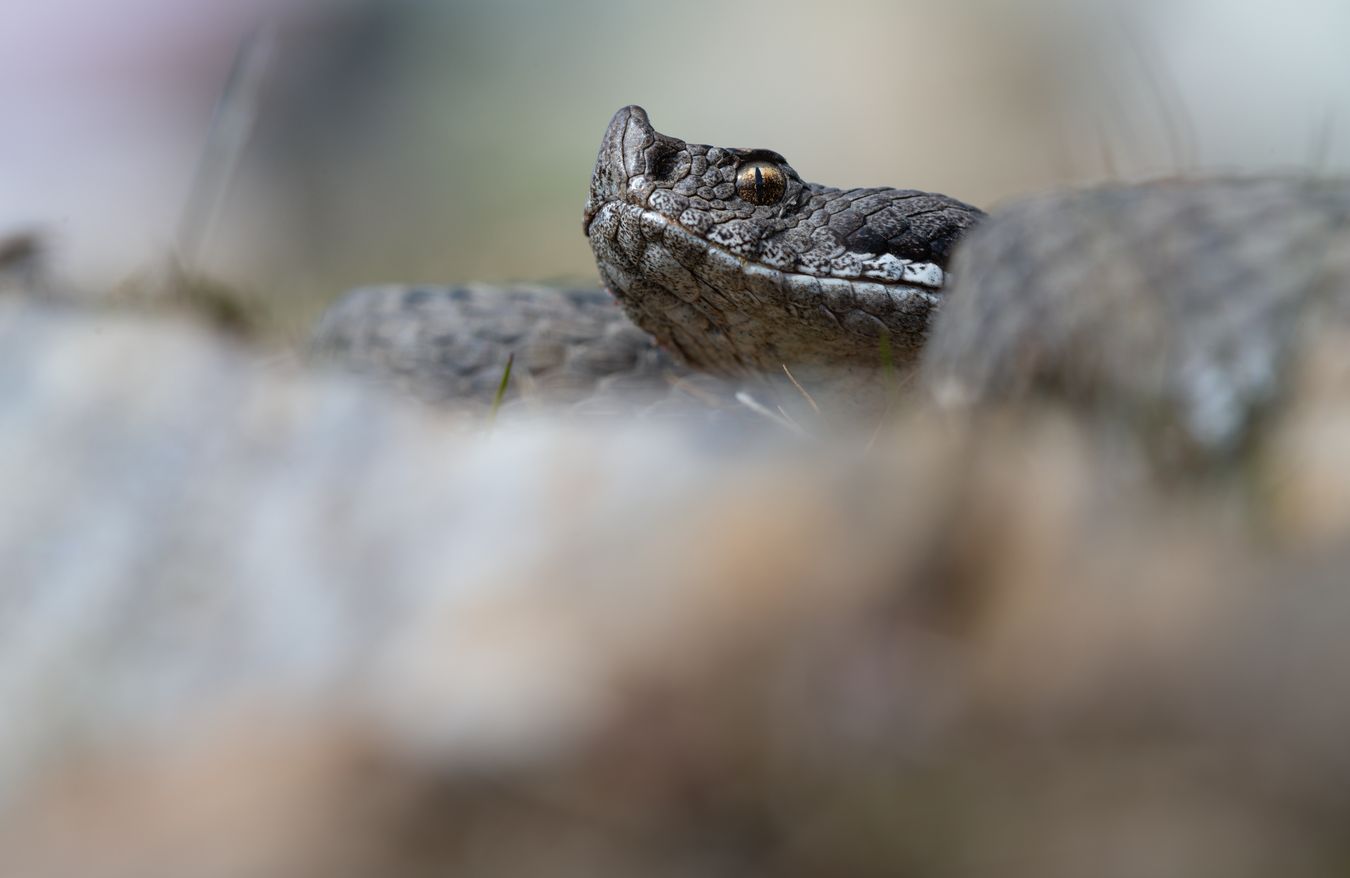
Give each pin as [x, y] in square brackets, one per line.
[419, 141]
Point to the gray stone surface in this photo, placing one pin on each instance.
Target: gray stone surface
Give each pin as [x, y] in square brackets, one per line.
[183, 526]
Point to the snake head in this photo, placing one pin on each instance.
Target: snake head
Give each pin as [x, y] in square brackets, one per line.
[737, 265]
[637, 162]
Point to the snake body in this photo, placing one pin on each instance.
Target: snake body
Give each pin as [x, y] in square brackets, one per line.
[450, 346]
[1184, 301]
[1182, 304]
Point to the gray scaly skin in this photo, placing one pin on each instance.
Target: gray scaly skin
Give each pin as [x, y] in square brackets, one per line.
[449, 346]
[1179, 305]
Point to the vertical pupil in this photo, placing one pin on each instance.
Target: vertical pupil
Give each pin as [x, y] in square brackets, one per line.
[759, 184]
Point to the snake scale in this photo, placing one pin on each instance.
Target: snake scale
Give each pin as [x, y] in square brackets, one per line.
[1180, 301]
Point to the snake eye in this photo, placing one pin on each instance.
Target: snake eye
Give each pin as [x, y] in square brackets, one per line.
[760, 182]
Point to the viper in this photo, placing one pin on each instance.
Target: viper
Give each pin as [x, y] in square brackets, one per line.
[1179, 301]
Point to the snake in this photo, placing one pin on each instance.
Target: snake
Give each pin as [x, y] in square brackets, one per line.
[1182, 301]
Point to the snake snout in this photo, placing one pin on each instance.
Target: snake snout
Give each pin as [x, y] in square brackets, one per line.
[618, 159]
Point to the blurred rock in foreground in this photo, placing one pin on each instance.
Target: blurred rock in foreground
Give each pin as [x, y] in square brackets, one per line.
[261, 622]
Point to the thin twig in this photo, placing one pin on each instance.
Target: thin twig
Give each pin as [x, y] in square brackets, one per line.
[231, 128]
[501, 389]
[753, 405]
[800, 389]
[699, 393]
[1319, 158]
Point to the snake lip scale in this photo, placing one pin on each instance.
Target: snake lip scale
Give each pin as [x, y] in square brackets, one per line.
[736, 265]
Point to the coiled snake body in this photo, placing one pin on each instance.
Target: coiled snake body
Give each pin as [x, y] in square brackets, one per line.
[1187, 299]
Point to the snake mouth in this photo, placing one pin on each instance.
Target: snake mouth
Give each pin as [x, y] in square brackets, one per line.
[730, 313]
[876, 284]
[588, 216]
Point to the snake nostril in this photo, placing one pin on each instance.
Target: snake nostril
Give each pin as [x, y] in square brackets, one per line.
[662, 163]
